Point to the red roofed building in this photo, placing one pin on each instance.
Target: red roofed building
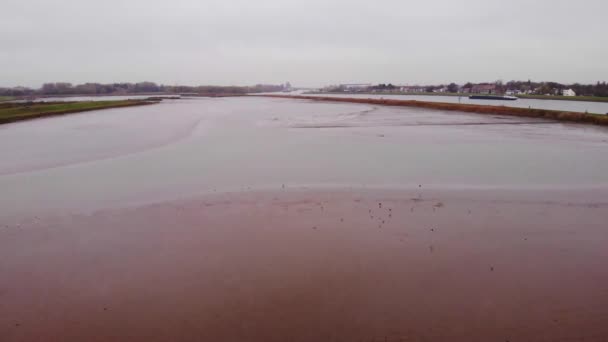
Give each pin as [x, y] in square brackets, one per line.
[484, 88]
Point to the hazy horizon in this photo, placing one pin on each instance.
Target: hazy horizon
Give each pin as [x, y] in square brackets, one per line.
[308, 44]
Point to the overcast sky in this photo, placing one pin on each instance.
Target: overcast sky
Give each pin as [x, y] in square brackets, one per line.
[306, 42]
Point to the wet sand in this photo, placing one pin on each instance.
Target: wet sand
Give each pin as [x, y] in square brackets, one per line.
[314, 265]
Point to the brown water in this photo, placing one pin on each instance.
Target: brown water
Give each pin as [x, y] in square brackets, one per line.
[254, 219]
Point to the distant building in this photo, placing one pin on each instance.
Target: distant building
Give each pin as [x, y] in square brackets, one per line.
[513, 92]
[484, 88]
[568, 92]
[412, 89]
[355, 86]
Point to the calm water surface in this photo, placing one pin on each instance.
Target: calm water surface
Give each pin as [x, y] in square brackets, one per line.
[190, 146]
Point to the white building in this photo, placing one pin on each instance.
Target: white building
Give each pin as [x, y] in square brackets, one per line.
[513, 92]
[568, 92]
[412, 89]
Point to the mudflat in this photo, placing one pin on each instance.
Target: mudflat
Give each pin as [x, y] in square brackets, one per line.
[316, 264]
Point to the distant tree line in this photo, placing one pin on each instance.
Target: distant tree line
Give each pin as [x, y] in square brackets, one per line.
[63, 88]
[537, 88]
[383, 86]
[600, 89]
[554, 88]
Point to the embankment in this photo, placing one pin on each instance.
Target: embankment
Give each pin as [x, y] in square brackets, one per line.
[13, 112]
[595, 119]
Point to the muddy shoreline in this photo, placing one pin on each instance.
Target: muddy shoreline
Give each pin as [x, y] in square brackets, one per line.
[314, 265]
[595, 119]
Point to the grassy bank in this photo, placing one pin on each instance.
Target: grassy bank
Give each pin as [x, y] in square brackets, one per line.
[12, 112]
[595, 119]
[6, 98]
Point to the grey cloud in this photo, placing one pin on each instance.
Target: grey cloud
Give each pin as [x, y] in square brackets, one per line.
[310, 42]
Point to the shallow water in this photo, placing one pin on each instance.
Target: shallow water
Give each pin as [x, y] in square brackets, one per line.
[192, 146]
[293, 220]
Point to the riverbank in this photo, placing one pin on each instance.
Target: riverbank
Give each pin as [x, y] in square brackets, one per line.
[13, 112]
[6, 98]
[596, 119]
